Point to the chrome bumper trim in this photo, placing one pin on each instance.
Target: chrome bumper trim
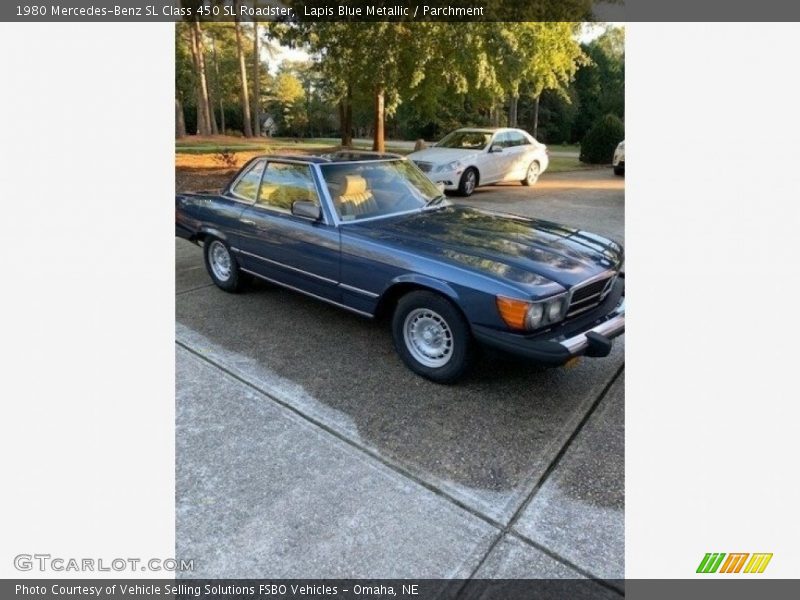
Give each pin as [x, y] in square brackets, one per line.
[611, 328]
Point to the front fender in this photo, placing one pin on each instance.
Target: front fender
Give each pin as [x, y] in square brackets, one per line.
[208, 230]
[428, 282]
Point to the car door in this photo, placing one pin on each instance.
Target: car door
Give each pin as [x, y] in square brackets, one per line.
[494, 162]
[222, 216]
[294, 251]
[517, 156]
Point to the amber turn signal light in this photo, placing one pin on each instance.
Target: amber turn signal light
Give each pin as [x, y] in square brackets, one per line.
[513, 311]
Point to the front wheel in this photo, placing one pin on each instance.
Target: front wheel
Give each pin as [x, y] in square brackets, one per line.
[222, 266]
[432, 336]
[468, 183]
[532, 175]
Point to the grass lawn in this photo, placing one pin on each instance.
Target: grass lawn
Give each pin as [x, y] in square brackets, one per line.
[564, 148]
[560, 164]
[199, 163]
[216, 144]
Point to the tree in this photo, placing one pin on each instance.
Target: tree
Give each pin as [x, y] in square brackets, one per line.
[384, 62]
[544, 55]
[289, 98]
[184, 79]
[256, 81]
[217, 84]
[599, 144]
[248, 131]
[180, 124]
[198, 55]
[600, 86]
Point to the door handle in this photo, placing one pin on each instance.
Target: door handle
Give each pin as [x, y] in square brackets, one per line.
[248, 222]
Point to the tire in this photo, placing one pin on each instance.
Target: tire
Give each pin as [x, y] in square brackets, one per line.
[222, 266]
[468, 183]
[432, 336]
[619, 171]
[532, 174]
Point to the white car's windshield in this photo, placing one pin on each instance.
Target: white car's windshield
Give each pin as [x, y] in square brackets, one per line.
[367, 189]
[466, 140]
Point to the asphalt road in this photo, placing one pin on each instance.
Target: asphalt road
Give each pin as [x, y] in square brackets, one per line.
[305, 448]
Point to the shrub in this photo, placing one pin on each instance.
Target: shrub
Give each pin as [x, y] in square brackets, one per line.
[227, 157]
[600, 142]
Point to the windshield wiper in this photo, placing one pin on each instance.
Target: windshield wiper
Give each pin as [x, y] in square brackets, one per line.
[434, 201]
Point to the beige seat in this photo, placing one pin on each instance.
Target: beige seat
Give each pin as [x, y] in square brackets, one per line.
[356, 199]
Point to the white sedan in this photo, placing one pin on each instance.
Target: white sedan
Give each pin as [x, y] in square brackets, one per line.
[619, 159]
[467, 158]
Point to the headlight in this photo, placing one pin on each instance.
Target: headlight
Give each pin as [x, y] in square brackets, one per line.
[451, 166]
[556, 310]
[525, 315]
[535, 315]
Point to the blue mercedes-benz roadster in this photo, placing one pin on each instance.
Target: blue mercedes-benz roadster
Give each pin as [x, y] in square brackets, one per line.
[371, 234]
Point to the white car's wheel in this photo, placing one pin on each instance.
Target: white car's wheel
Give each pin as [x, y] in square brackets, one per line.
[468, 183]
[532, 175]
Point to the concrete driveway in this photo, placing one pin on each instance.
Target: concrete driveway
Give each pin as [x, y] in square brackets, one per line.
[305, 448]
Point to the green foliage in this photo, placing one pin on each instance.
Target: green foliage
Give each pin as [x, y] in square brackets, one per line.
[222, 72]
[599, 144]
[435, 76]
[600, 87]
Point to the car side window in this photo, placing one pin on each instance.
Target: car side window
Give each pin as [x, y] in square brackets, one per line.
[517, 139]
[502, 140]
[285, 183]
[247, 186]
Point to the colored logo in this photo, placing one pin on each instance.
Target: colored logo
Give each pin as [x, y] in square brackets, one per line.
[737, 562]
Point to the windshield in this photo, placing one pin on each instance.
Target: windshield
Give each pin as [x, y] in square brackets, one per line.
[362, 190]
[467, 140]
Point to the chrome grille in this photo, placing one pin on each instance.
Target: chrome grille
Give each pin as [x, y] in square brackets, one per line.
[587, 295]
[425, 167]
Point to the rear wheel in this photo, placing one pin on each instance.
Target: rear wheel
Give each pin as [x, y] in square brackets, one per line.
[532, 175]
[221, 265]
[468, 183]
[432, 337]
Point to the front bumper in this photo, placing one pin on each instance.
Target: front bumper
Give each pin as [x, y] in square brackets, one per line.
[449, 179]
[588, 335]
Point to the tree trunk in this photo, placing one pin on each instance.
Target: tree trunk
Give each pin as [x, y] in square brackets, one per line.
[512, 110]
[346, 118]
[180, 123]
[536, 117]
[378, 142]
[248, 131]
[212, 89]
[341, 120]
[256, 81]
[216, 81]
[203, 119]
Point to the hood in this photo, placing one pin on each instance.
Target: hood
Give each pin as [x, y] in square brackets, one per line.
[442, 156]
[525, 252]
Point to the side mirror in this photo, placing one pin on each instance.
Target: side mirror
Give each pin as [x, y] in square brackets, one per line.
[306, 209]
[495, 148]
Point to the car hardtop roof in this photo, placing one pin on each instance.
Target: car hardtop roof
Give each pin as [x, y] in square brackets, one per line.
[339, 156]
[489, 129]
[346, 155]
[308, 158]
